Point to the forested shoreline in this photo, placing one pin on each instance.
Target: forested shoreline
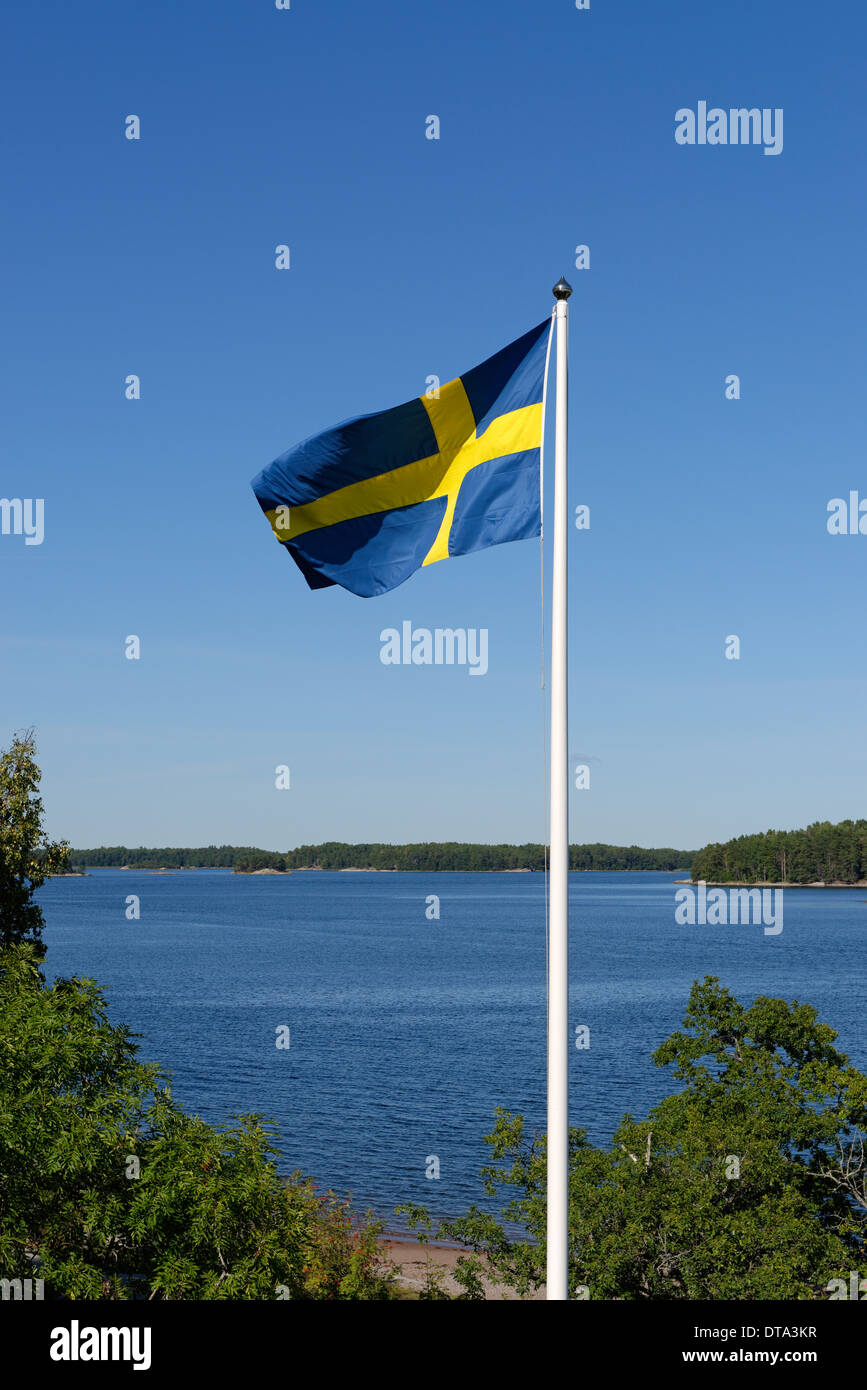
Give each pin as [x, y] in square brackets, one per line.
[450, 856]
[823, 853]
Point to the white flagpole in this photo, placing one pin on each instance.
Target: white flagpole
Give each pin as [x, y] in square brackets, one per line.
[558, 955]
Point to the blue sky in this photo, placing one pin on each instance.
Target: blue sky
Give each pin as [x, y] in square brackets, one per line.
[410, 257]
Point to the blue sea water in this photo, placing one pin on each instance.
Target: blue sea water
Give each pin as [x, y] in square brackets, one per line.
[406, 1032]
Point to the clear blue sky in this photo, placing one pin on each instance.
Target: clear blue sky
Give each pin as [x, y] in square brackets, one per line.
[411, 257]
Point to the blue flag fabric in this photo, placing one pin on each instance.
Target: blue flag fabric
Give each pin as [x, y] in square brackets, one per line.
[372, 500]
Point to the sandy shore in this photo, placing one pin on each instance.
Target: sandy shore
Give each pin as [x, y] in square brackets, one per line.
[414, 1261]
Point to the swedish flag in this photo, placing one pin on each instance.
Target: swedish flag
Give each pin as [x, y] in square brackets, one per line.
[367, 503]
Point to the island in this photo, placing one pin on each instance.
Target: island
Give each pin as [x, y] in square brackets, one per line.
[823, 855]
[428, 857]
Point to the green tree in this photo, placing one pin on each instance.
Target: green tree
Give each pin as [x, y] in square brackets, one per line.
[27, 856]
[825, 852]
[747, 1184]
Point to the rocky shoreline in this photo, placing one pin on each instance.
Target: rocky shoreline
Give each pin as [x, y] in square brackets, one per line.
[768, 883]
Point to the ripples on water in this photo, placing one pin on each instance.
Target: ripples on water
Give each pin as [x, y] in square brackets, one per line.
[405, 1032]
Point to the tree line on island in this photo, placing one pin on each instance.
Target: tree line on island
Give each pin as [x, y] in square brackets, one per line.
[427, 858]
[823, 853]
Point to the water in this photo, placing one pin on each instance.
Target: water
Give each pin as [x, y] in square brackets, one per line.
[405, 1032]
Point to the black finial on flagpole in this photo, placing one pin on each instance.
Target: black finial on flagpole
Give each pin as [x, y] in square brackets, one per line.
[563, 289]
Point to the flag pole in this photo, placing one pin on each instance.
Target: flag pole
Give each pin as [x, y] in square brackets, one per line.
[558, 956]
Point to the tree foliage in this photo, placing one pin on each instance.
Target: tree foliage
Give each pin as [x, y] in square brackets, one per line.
[749, 1183]
[259, 859]
[27, 856]
[423, 858]
[471, 858]
[823, 853]
[205, 857]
